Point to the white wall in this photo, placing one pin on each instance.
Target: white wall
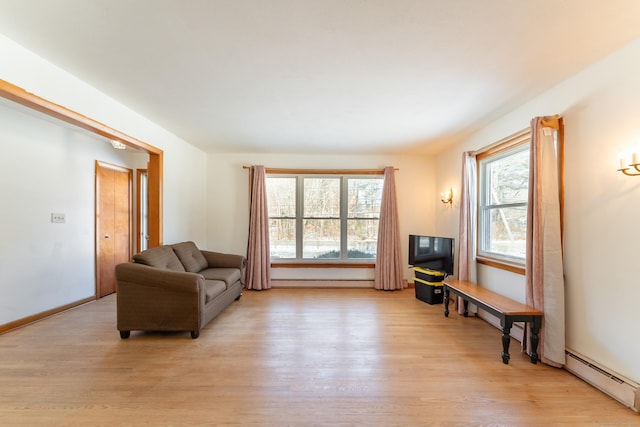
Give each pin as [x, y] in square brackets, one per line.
[229, 199]
[601, 107]
[48, 167]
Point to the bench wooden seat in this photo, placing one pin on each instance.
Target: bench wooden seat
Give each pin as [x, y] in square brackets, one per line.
[506, 309]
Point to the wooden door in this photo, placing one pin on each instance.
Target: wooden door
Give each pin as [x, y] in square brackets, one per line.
[113, 223]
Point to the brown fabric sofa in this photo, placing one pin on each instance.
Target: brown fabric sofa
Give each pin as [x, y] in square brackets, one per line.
[176, 288]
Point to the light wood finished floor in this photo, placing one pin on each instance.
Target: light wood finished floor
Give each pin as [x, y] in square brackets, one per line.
[289, 357]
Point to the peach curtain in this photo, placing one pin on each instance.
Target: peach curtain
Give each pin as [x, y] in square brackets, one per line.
[544, 266]
[467, 267]
[258, 256]
[388, 270]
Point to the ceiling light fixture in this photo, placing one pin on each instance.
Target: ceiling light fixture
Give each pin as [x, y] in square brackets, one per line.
[118, 145]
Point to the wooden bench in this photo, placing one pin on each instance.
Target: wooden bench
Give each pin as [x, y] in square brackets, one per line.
[507, 310]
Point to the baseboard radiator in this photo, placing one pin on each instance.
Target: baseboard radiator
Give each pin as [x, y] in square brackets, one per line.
[320, 283]
[622, 389]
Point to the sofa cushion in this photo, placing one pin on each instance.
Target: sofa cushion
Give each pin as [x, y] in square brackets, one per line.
[159, 257]
[213, 288]
[227, 275]
[190, 256]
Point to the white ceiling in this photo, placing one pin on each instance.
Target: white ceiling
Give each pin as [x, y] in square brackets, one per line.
[321, 76]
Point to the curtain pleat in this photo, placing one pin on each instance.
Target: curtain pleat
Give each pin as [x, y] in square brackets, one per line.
[544, 265]
[258, 256]
[467, 267]
[388, 270]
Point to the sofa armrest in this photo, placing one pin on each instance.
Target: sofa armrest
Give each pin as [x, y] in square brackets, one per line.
[144, 275]
[222, 260]
[154, 299]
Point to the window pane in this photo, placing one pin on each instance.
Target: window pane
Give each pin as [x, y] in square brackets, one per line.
[282, 238]
[281, 197]
[321, 238]
[508, 179]
[362, 238]
[507, 231]
[365, 195]
[322, 198]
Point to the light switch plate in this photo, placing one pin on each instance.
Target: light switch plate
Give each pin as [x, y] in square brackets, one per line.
[57, 218]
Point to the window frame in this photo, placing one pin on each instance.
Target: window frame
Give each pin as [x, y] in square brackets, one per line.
[344, 175]
[510, 145]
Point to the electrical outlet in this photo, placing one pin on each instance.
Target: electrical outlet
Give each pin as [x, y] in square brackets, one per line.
[57, 218]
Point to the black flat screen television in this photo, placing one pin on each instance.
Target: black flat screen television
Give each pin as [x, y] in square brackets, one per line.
[435, 253]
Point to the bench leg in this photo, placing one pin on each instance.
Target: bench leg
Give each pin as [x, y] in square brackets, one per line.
[465, 304]
[446, 302]
[506, 339]
[535, 328]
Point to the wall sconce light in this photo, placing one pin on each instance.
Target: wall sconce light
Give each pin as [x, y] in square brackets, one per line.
[631, 169]
[118, 145]
[447, 197]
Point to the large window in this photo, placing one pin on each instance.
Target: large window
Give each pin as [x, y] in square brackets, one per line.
[502, 201]
[323, 217]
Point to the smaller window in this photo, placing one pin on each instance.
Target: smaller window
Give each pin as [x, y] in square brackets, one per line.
[281, 199]
[502, 204]
[321, 217]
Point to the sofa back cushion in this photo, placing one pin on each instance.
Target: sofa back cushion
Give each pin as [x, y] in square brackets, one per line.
[190, 256]
[159, 257]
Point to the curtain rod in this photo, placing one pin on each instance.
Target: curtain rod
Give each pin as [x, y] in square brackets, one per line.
[551, 121]
[323, 171]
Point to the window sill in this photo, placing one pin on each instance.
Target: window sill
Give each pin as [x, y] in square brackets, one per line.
[322, 265]
[503, 265]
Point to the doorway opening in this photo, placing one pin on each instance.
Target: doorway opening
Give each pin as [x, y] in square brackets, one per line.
[142, 223]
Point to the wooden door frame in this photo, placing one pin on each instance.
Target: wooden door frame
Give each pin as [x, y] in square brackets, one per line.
[156, 156]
